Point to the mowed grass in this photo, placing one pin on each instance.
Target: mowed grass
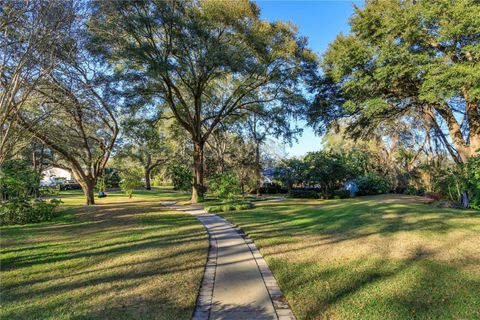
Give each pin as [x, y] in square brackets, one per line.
[120, 259]
[380, 257]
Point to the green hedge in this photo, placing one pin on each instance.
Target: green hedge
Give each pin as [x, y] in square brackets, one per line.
[232, 206]
[341, 194]
[23, 210]
[303, 194]
[371, 184]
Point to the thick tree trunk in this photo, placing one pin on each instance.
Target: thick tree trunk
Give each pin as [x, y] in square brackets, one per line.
[88, 184]
[147, 179]
[474, 127]
[198, 187]
[455, 132]
[87, 187]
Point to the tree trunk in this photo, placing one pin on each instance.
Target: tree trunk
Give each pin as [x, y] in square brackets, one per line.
[197, 187]
[88, 184]
[147, 179]
[87, 187]
[258, 173]
[455, 132]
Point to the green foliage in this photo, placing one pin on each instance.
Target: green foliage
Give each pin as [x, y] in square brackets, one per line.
[415, 59]
[21, 210]
[473, 181]
[112, 178]
[214, 61]
[291, 172]
[303, 194]
[48, 191]
[328, 169]
[371, 184]
[101, 185]
[414, 191]
[131, 180]
[341, 194]
[181, 177]
[17, 179]
[225, 186]
[230, 206]
[324, 168]
[459, 178]
[18, 185]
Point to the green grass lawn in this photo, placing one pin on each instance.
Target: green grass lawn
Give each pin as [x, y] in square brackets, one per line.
[381, 257]
[120, 259]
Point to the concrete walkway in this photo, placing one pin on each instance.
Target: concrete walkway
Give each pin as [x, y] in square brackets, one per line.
[237, 283]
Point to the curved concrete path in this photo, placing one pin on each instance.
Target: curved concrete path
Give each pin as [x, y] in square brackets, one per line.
[237, 283]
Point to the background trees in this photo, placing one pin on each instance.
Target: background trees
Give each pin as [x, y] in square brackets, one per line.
[208, 61]
[72, 111]
[143, 142]
[30, 42]
[203, 85]
[407, 58]
[407, 67]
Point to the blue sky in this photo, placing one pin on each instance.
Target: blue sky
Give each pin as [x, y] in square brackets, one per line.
[320, 21]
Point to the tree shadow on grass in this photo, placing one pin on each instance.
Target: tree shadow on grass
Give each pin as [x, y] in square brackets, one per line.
[352, 219]
[58, 270]
[373, 283]
[380, 289]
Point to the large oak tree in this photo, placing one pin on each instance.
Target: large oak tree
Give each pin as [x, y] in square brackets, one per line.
[407, 58]
[31, 35]
[72, 110]
[206, 60]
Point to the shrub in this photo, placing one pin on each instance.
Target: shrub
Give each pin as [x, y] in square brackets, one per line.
[225, 186]
[17, 179]
[303, 194]
[272, 188]
[341, 194]
[181, 177]
[371, 184]
[21, 210]
[230, 206]
[458, 179]
[131, 180]
[48, 191]
[412, 191]
[112, 178]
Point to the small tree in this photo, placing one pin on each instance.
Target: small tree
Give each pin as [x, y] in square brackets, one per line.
[225, 186]
[131, 180]
[143, 143]
[181, 177]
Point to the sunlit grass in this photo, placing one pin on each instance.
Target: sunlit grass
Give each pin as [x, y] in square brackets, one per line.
[382, 257]
[120, 259]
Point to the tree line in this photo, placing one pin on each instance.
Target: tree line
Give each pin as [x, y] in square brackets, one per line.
[204, 84]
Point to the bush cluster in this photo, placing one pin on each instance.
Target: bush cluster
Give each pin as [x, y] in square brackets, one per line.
[341, 194]
[22, 210]
[181, 177]
[303, 194]
[18, 189]
[412, 191]
[371, 184]
[225, 185]
[230, 206]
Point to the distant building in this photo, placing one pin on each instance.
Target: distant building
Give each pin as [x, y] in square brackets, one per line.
[267, 175]
[54, 175]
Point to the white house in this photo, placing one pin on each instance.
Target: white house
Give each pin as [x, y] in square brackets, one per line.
[52, 175]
